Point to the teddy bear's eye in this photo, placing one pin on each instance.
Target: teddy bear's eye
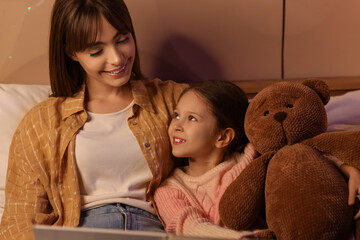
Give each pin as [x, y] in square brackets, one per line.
[266, 113]
[289, 106]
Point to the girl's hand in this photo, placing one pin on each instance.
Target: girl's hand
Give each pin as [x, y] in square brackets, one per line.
[354, 184]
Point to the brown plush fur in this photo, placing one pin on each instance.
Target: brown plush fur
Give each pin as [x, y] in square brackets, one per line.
[304, 195]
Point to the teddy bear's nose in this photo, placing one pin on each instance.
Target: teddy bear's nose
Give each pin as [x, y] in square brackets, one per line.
[280, 116]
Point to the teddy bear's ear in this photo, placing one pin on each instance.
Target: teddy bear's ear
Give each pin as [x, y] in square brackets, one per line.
[320, 87]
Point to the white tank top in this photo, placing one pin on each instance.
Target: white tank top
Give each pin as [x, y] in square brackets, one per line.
[112, 168]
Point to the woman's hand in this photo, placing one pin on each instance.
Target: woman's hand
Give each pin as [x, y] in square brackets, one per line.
[353, 175]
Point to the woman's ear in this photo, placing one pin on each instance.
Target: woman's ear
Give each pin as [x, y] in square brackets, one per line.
[72, 56]
[225, 138]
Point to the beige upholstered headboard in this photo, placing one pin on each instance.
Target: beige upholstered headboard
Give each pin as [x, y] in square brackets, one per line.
[251, 42]
[338, 86]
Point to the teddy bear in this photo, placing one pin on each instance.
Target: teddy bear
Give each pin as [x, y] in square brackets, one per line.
[292, 184]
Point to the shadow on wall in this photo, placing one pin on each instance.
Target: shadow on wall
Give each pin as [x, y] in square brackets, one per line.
[35, 70]
[183, 60]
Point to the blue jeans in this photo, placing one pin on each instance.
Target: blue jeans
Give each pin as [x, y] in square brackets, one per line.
[120, 216]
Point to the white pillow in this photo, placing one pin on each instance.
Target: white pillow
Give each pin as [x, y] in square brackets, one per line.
[15, 101]
[344, 112]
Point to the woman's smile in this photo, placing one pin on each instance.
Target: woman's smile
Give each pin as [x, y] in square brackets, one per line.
[119, 72]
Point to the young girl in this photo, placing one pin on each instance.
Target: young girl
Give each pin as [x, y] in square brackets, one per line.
[207, 129]
[92, 154]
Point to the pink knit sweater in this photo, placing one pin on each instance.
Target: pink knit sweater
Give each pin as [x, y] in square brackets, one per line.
[189, 205]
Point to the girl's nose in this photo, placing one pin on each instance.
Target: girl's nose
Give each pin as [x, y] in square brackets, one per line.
[178, 129]
[177, 126]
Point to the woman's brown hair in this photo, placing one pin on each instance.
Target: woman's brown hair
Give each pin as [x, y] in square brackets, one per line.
[74, 26]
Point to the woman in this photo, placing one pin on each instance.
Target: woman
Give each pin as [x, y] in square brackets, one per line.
[91, 154]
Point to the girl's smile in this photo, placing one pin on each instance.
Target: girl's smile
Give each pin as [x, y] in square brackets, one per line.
[178, 140]
[193, 129]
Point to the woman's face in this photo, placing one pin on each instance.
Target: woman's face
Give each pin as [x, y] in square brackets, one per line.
[108, 62]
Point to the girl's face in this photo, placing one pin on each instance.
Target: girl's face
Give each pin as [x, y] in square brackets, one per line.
[108, 62]
[193, 130]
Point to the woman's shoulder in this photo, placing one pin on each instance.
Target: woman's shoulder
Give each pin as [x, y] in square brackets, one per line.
[160, 83]
[48, 110]
[161, 94]
[164, 86]
[45, 106]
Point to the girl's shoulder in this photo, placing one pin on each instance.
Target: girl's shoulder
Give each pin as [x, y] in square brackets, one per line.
[180, 175]
[241, 160]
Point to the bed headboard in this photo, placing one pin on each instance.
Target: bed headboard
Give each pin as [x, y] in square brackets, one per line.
[338, 86]
[251, 42]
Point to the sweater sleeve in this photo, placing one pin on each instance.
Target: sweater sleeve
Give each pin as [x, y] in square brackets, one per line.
[182, 218]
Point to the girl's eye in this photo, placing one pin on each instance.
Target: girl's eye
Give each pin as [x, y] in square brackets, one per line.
[176, 116]
[266, 113]
[192, 118]
[289, 106]
[96, 53]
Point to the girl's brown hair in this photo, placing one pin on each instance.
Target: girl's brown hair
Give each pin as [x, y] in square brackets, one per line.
[228, 103]
[74, 25]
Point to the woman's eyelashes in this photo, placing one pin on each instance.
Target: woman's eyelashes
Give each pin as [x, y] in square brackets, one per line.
[123, 40]
[97, 52]
[94, 54]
